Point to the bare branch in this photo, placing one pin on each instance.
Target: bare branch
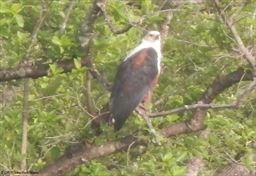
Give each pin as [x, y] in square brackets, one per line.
[91, 108]
[192, 107]
[24, 126]
[95, 73]
[67, 13]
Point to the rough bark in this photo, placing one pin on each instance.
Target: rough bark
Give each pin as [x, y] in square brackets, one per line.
[235, 169]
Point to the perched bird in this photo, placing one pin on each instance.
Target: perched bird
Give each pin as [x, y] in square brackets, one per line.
[135, 79]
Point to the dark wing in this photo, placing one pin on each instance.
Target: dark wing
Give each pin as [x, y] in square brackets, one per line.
[132, 82]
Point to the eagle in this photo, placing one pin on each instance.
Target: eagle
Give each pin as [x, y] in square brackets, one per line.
[135, 79]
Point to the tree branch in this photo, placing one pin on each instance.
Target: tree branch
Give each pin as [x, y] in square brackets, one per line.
[223, 82]
[192, 107]
[67, 13]
[39, 70]
[24, 125]
[85, 154]
[218, 85]
[69, 162]
[85, 37]
[196, 122]
[26, 60]
[91, 108]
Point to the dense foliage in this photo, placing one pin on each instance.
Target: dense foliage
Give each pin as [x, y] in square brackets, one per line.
[197, 50]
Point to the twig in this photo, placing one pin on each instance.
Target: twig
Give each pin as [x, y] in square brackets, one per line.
[246, 92]
[144, 112]
[90, 105]
[251, 32]
[67, 13]
[96, 74]
[192, 107]
[230, 158]
[128, 153]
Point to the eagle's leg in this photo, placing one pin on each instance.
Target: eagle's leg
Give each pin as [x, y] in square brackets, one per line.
[144, 113]
[143, 110]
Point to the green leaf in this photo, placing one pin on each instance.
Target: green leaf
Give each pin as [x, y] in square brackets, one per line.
[77, 63]
[16, 8]
[55, 69]
[172, 118]
[56, 40]
[19, 20]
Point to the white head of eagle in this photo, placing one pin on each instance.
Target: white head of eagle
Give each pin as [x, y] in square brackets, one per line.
[135, 78]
